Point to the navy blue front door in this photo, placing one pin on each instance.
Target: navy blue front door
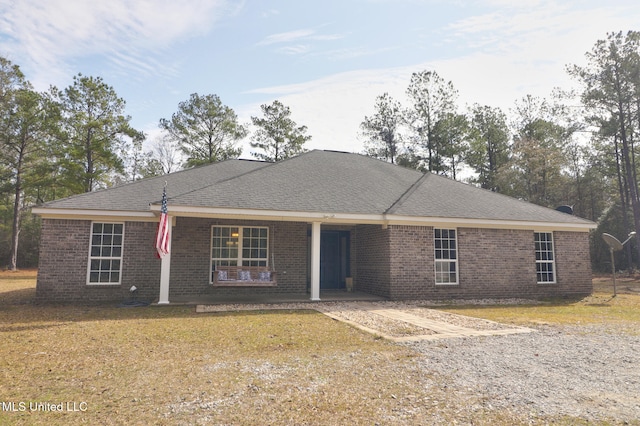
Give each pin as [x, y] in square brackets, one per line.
[334, 259]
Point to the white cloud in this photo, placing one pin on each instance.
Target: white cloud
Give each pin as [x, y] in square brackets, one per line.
[296, 42]
[296, 49]
[271, 12]
[542, 29]
[524, 53]
[513, 49]
[333, 107]
[327, 37]
[46, 35]
[355, 52]
[286, 37]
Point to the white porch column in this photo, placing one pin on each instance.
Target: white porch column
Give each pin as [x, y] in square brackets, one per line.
[315, 261]
[165, 269]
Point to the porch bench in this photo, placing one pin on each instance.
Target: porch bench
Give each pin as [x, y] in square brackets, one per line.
[244, 276]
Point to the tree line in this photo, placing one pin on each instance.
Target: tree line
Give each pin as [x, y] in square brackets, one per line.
[525, 154]
[65, 142]
[576, 148]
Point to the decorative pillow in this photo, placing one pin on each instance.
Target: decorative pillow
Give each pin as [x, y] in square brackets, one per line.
[264, 276]
[222, 276]
[244, 275]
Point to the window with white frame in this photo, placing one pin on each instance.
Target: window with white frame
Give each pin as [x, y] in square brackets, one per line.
[446, 256]
[239, 246]
[545, 263]
[105, 253]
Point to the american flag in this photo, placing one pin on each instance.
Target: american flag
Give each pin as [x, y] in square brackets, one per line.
[162, 237]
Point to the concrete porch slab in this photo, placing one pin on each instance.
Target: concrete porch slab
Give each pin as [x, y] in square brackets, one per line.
[325, 296]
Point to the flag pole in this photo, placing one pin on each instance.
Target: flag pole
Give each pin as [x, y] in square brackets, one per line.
[162, 237]
[163, 248]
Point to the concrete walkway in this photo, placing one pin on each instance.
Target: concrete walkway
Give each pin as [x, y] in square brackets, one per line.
[433, 329]
[440, 329]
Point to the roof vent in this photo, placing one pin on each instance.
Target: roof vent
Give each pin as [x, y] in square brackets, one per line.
[565, 209]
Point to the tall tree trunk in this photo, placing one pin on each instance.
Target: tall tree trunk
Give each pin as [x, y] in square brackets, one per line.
[633, 153]
[633, 192]
[88, 185]
[492, 167]
[15, 229]
[622, 187]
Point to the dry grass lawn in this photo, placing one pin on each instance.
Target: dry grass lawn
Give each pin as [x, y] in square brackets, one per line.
[169, 365]
[602, 307]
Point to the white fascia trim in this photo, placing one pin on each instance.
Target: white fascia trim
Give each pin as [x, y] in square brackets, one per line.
[87, 214]
[487, 223]
[276, 215]
[376, 219]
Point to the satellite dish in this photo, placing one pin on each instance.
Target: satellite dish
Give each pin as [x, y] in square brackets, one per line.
[613, 243]
[565, 209]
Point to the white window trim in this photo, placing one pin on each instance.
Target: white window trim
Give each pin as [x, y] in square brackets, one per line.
[239, 259]
[552, 262]
[100, 257]
[436, 261]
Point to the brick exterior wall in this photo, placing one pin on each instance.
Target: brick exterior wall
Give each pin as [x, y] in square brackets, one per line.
[141, 267]
[373, 254]
[573, 264]
[64, 256]
[396, 262]
[492, 263]
[411, 262]
[191, 258]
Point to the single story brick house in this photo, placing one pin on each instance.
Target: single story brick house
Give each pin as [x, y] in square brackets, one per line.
[321, 221]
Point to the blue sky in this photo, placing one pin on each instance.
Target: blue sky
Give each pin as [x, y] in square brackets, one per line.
[327, 60]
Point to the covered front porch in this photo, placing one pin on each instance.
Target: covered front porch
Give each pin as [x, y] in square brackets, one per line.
[313, 261]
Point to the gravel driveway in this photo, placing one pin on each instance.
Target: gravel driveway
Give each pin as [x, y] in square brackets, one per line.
[590, 372]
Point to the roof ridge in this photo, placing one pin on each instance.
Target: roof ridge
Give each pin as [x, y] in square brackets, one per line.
[396, 204]
[266, 164]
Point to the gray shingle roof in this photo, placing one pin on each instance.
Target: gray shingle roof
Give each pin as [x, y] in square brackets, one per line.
[437, 196]
[137, 196]
[319, 181]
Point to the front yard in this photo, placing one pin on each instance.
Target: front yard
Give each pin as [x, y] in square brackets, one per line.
[169, 365]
